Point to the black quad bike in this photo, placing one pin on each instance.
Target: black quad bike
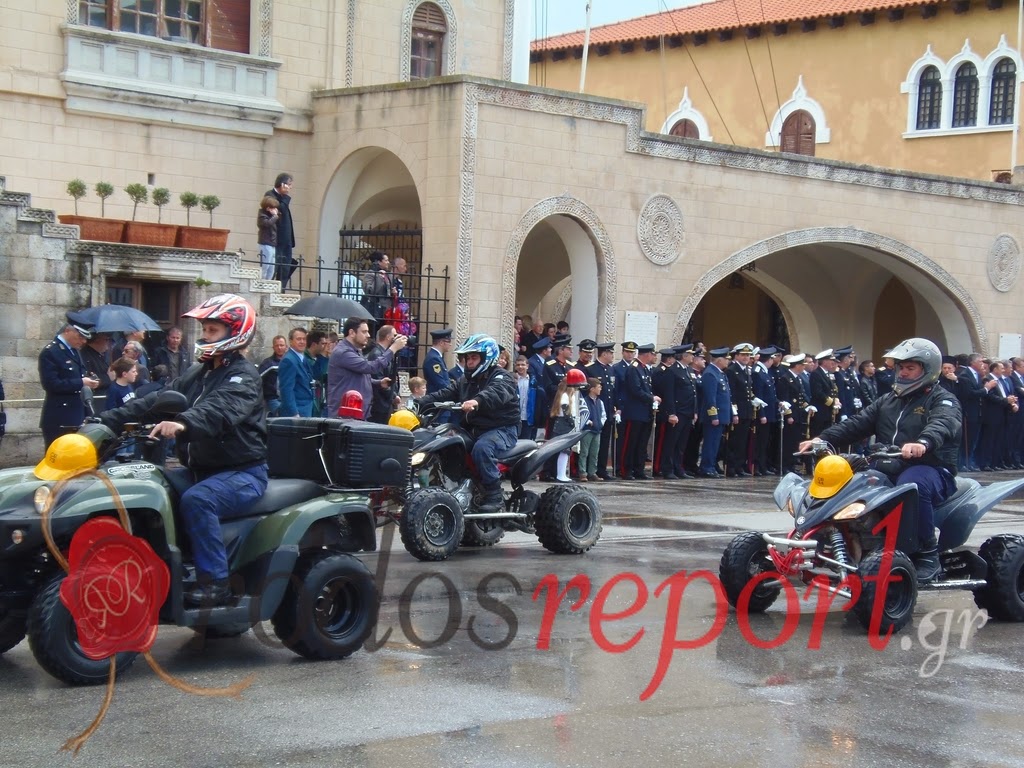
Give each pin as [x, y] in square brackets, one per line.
[439, 508]
[289, 555]
[841, 533]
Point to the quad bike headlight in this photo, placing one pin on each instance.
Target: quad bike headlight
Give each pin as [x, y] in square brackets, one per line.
[418, 458]
[851, 511]
[39, 498]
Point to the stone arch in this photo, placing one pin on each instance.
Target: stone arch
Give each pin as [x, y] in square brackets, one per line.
[841, 236]
[451, 53]
[569, 206]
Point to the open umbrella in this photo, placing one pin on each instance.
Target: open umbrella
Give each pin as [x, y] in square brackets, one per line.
[110, 318]
[335, 307]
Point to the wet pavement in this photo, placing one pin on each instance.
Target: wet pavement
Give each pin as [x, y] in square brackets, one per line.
[459, 678]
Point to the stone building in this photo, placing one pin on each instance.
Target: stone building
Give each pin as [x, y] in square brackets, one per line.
[534, 199]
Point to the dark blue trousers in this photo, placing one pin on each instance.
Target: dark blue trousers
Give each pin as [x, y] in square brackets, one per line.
[218, 497]
[709, 449]
[934, 486]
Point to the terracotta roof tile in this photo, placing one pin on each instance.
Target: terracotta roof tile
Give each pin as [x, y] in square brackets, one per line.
[719, 15]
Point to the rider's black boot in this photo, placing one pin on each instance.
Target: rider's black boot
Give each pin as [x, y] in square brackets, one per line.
[492, 500]
[927, 561]
[209, 594]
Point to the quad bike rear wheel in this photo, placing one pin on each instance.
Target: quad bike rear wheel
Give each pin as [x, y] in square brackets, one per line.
[329, 608]
[12, 628]
[431, 524]
[1003, 596]
[899, 598]
[54, 641]
[568, 520]
[744, 558]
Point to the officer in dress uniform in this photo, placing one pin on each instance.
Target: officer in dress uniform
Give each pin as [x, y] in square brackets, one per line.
[64, 378]
[434, 369]
[586, 348]
[691, 451]
[824, 392]
[793, 403]
[601, 369]
[637, 409]
[666, 422]
[541, 406]
[619, 370]
[716, 410]
[558, 365]
[742, 391]
[763, 382]
[685, 391]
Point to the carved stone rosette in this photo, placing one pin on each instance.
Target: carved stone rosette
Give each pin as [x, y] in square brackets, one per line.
[1004, 263]
[659, 229]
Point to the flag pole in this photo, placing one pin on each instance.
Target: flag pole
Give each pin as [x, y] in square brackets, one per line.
[586, 48]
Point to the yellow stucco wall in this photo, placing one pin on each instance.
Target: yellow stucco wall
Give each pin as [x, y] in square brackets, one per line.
[853, 72]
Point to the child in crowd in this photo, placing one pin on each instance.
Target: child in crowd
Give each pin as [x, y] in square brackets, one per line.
[121, 388]
[527, 398]
[418, 388]
[568, 412]
[591, 441]
[266, 224]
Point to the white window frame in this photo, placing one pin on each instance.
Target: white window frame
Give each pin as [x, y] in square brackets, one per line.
[799, 101]
[686, 111]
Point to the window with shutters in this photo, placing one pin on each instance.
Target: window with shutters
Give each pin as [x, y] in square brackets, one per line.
[223, 25]
[685, 128]
[798, 132]
[428, 40]
[929, 99]
[965, 96]
[1004, 87]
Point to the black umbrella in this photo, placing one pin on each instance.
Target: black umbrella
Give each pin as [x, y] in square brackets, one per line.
[335, 307]
[109, 318]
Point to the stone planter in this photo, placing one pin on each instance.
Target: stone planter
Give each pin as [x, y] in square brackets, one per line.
[148, 233]
[92, 228]
[202, 238]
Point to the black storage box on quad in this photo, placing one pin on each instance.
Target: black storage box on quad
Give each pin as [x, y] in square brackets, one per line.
[293, 448]
[361, 454]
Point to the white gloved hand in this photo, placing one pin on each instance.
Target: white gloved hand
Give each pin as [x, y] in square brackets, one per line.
[735, 411]
[618, 418]
[757, 402]
[837, 406]
[857, 403]
[811, 409]
[784, 406]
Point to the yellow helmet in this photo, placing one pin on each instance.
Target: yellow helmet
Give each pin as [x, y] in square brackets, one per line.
[405, 419]
[67, 455]
[831, 474]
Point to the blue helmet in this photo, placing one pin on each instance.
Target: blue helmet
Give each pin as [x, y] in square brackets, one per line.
[484, 346]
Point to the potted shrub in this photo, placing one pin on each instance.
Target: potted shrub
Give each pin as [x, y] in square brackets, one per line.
[146, 232]
[90, 227]
[202, 238]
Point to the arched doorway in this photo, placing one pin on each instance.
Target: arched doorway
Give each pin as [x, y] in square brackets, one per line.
[839, 286]
[559, 261]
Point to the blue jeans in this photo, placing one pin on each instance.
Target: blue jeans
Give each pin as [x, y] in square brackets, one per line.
[219, 497]
[268, 262]
[273, 406]
[487, 447]
[934, 486]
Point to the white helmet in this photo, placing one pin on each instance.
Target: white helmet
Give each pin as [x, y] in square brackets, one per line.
[923, 352]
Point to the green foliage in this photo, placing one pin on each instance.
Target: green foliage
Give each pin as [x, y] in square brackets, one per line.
[77, 189]
[139, 194]
[103, 191]
[208, 203]
[202, 282]
[161, 197]
[188, 200]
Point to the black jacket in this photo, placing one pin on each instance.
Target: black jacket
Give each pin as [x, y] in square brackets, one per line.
[224, 426]
[495, 390]
[383, 403]
[932, 415]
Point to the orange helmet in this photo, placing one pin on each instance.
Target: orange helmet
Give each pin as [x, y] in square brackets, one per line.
[234, 312]
[575, 378]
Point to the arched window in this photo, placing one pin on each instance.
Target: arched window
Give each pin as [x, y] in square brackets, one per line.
[428, 32]
[965, 96]
[1004, 86]
[685, 128]
[798, 133]
[929, 99]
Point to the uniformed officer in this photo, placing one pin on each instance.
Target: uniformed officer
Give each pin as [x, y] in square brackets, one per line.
[619, 370]
[824, 393]
[541, 404]
[716, 410]
[687, 385]
[557, 366]
[638, 403]
[434, 369]
[767, 423]
[601, 369]
[587, 348]
[666, 435]
[742, 392]
[64, 378]
[795, 408]
[845, 384]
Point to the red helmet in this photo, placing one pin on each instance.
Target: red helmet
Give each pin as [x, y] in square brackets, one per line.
[575, 378]
[234, 312]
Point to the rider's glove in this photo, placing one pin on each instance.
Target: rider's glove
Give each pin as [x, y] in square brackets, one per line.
[843, 418]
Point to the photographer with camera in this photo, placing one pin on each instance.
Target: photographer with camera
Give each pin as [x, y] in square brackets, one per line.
[348, 369]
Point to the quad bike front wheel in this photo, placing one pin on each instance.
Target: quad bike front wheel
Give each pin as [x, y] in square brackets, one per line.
[1003, 595]
[329, 608]
[54, 641]
[900, 592]
[12, 628]
[568, 520]
[745, 558]
[431, 524]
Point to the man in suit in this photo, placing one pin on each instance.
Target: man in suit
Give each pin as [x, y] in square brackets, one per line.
[971, 390]
[435, 370]
[1017, 420]
[716, 410]
[294, 377]
[63, 378]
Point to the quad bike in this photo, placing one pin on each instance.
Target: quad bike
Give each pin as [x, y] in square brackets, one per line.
[440, 507]
[841, 531]
[289, 554]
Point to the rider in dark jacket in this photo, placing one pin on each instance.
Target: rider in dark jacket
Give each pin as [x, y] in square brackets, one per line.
[221, 437]
[490, 405]
[922, 419]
